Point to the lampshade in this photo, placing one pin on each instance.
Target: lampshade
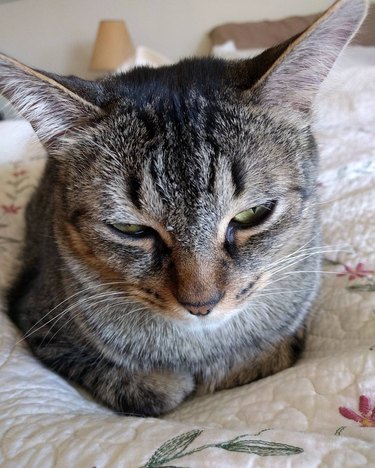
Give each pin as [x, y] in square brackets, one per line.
[113, 46]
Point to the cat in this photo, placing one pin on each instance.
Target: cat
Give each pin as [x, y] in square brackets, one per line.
[172, 246]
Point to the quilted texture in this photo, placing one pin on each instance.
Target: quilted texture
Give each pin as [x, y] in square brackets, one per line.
[289, 419]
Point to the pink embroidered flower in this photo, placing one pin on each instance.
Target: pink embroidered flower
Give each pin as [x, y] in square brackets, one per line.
[11, 209]
[366, 418]
[358, 272]
[19, 173]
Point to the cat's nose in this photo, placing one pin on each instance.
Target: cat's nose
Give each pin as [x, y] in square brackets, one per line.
[202, 308]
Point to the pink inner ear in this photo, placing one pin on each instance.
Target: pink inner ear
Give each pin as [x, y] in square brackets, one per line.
[295, 78]
[51, 109]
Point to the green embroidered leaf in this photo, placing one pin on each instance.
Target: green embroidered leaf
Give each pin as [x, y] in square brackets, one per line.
[9, 240]
[260, 432]
[173, 447]
[370, 287]
[22, 189]
[17, 183]
[260, 447]
[328, 261]
[339, 430]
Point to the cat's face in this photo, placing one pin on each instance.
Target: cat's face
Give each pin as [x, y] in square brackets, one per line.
[190, 209]
[185, 187]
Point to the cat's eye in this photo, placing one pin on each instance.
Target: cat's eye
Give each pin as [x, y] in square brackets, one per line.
[133, 230]
[254, 215]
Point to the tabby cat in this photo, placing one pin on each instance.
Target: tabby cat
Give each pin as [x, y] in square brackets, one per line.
[172, 245]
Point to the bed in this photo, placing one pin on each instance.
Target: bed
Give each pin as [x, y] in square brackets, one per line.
[321, 412]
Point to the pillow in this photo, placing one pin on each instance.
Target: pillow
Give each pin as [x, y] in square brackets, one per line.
[19, 142]
[264, 34]
[144, 57]
[353, 56]
[6, 110]
[228, 50]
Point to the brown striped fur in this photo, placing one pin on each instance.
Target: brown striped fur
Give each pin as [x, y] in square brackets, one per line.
[198, 303]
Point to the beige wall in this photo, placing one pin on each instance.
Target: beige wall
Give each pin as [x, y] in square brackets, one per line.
[58, 35]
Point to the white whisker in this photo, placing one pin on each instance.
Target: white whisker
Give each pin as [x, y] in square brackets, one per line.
[300, 258]
[32, 330]
[71, 297]
[92, 308]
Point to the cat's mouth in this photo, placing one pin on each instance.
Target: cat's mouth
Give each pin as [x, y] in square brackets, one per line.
[203, 308]
[232, 301]
[219, 307]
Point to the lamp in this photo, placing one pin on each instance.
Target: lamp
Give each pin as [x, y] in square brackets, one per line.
[113, 46]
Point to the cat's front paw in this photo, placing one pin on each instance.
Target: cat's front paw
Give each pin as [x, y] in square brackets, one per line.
[155, 394]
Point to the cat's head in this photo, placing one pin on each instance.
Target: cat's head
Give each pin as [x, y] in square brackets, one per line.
[186, 184]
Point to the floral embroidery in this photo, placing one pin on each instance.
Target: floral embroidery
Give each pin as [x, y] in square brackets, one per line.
[20, 173]
[366, 418]
[17, 184]
[11, 209]
[175, 448]
[358, 272]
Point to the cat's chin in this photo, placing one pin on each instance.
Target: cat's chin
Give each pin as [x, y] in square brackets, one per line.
[215, 319]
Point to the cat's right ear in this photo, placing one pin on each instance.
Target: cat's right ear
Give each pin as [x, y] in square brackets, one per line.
[294, 78]
[53, 110]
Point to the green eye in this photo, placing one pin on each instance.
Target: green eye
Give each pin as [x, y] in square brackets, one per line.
[247, 216]
[135, 230]
[254, 216]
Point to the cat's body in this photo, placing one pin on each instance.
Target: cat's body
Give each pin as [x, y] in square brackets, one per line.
[140, 280]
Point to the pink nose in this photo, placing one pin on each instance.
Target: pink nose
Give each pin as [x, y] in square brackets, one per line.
[200, 308]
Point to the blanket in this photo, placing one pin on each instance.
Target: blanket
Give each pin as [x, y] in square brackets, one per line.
[320, 412]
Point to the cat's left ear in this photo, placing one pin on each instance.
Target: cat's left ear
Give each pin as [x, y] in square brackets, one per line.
[295, 77]
[53, 109]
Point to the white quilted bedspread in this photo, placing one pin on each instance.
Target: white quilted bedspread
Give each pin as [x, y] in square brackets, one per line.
[290, 419]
